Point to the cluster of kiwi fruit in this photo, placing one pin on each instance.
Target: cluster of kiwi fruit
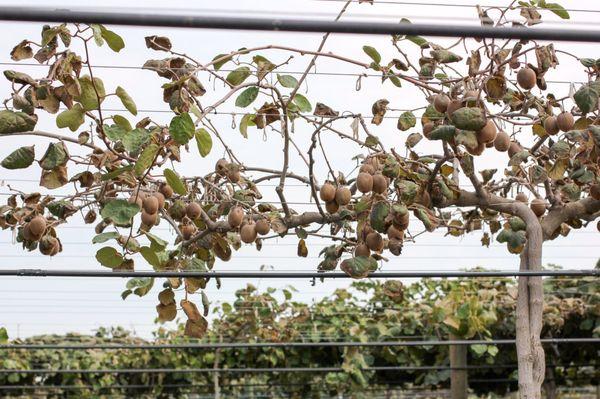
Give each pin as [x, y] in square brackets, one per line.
[36, 231]
[249, 228]
[151, 204]
[227, 169]
[369, 240]
[537, 205]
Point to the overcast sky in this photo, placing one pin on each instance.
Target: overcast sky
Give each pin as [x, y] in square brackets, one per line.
[34, 306]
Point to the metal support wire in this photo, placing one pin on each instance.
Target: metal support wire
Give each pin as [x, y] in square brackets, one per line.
[285, 275]
[40, 14]
[329, 344]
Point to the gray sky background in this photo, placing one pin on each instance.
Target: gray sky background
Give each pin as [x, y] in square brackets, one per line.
[33, 306]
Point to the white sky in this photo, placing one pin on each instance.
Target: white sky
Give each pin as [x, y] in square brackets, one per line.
[50, 305]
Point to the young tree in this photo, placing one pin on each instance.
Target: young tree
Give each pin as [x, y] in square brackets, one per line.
[124, 167]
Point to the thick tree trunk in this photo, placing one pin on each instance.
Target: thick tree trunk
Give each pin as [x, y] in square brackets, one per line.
[458, 378]
[530, 302]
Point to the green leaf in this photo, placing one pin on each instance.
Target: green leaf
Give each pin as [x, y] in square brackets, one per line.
[445, 56]
[302, 103]
[556, 9]
[406, 121]
[13, 122]
[479, 349]
[151, 257]
[88, 97]
[103, 237]
[467, 138]
[140, 285]
[247, 97]
[127, 101]
[443, 132]
[21, 158]
[247, 120]
[156, 243]
[586, 99]
[97, 32]
[238, 76]
[114, 41]
[56, 155]
[175, 182]
[119, 211]
[287, 81]
[117, 172]
[109, 257]
[182, 128]
[378, 214]
[114, 132]
[359, 266]
[122, 122]
[225, 58]
[146, 159]
[204, 142]
[3, 335]
[467, 118]
[373, 53]
[135, 139]
[72, 118]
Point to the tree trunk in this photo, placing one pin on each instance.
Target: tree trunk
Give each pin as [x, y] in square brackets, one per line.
[458, 378]
[530, 302]
[550, 384]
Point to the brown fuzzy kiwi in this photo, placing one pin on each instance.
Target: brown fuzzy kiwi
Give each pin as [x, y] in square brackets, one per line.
[343, 195]
[374, 241]
[380, 183]
[37, 227]
[428, 128]
[26, 232]
[234, 175]
[166, 190]
[150, 204]
[595, 191]
[522, 197]
[248, 233]
[453, 106]
[402, 221]
[395, 247]
[551, 125]
[362, 250]
[327, 192]
[49, 245]
[193, 210]
[166, 297]
[263, 227]
[424, 199]
[440, 103]
[538, 206]
[395, 233]
[367, 168]
[502, 141]
[149, 219]
[526, 78]
[374, 162]
[161, 199]
[166, 312]
[235, 216]
[565, 121]
[364, 182]
[514, 63]
[331, 206]
[137, 199]
[477, 150]
[188, 230]
[488, 133]
[221, 167]
[471, 95]
[514, 148]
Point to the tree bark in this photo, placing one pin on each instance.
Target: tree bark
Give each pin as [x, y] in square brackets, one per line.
[458, 378]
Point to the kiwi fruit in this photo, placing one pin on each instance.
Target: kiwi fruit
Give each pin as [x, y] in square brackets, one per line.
[551, 125]
[235, 216]
[177, 210]
[522, 197]
[367, 168]
[188, 230]
[221, 167]
[595, 191]
[374, 162]
[538, 206]
[395, 247]
[37, 227]
[263, 227]
[149, 219]
[248, 233]
[428, 128]
[49, 245]
[193, 210]
[514, 148]
[362, 250]
[136, 199]
[166, 297]
[598, 226]
[166, 190]
[327, 192]
[166, 312]
[477, 150]
[565, 121]
[395, 233]
[150, 204]
[526, 78]
[453, 106]
[374, 241]
[331, 206]
[402, 221]
[502, 141]
[514, 63]
[440, 103]
[488, 133]
[160, 198]
[364, 182]
[380, 183]
[26, 232]
[343, 195]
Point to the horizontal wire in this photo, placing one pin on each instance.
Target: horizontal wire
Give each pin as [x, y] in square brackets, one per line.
[267, 274]
[250, 345]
